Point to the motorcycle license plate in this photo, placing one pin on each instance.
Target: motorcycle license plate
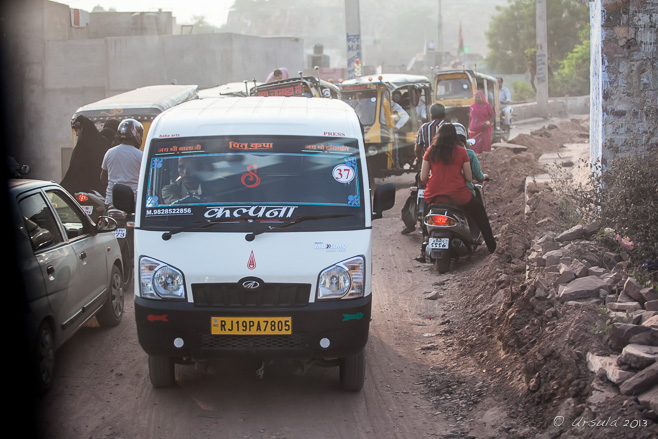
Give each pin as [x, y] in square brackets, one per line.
[438, 243]
[120, 233]
[251, 325]
[88, 209]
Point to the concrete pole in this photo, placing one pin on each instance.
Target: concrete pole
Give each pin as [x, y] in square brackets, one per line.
[439, 41]
[353, 28]
[541, 78]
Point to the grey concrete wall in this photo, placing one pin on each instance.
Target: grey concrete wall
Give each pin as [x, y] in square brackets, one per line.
[558, 107]
[628, 75]
[54, 70]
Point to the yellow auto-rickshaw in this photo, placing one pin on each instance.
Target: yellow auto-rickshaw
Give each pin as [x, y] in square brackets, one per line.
[390, 150]
[142, 104]
[455, 90]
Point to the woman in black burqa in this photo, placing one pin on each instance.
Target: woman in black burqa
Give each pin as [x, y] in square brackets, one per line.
[83, 174]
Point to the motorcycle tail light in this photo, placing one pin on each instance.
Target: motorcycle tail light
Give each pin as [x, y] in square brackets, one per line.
[440, 220]
[82, 198]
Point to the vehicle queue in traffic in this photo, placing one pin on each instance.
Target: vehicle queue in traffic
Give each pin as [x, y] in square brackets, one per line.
[62, 250]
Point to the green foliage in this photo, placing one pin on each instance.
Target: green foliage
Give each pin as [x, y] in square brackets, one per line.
[624, 198]
[513, 31]
[521, 91]
[573, 77]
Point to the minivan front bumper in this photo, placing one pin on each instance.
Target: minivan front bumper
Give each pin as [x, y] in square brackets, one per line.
[320, 330]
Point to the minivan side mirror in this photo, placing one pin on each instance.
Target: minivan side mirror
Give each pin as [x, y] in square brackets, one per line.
[383, 199]
[123, 198]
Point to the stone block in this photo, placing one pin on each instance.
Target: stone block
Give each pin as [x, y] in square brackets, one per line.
[641, 382]
[583, 288]
[621, 335]
[638, 356]
[613, 372]
[576, 232]
[632, 289]
[651, 305]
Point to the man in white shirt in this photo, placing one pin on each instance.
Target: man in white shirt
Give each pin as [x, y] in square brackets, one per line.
[505, 99]
[122, 163]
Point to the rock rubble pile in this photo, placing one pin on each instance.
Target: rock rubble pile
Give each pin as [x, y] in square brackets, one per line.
[571, 271]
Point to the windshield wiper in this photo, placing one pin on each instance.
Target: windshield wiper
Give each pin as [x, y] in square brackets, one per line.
[166, 236]
[251, 235]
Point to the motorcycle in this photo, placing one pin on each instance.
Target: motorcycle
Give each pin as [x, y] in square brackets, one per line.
[92, 203]
[451, 233]
[125, 228]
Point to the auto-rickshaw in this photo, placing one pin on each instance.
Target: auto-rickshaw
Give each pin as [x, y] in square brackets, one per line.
[308, 86]
[455, 90]
[228, 90]
[390, 152]
[142, 104]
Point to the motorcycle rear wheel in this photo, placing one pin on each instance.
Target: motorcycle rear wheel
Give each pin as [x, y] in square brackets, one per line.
[442, 264]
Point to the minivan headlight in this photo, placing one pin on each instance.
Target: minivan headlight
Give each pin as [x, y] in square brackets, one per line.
[158, 280]
[345, 280]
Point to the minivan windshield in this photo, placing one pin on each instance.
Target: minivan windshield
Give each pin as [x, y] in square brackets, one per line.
[237, 182]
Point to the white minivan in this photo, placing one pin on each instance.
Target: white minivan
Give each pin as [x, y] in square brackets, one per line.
[253, 235]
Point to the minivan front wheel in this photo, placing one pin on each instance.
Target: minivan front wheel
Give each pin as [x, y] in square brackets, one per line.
[162, 371]
[353, 371]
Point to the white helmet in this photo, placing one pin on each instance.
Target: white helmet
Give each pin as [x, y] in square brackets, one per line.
[461, 131]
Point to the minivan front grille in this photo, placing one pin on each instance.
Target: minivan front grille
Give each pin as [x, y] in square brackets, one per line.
[250, 342]
[231, 295]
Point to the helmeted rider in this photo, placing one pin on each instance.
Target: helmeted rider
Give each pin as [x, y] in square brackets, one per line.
[475, 163]
[122, 163]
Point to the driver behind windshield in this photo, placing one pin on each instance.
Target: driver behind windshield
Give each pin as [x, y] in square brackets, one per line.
[187, 185]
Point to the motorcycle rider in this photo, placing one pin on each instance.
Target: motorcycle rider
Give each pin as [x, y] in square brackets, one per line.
[90, 148]
[505, 98]
[122, 163]
[475, 163]
[426, 133]
[445, 170]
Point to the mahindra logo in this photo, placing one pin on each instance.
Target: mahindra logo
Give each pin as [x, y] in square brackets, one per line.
[250, 284]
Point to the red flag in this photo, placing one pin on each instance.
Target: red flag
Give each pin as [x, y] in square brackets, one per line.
[461, 40]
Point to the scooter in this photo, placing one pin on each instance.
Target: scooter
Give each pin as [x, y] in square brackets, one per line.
[92, 203]
[125, 230]
[451, 234]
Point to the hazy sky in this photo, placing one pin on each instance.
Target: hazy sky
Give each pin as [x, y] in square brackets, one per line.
[215, 11]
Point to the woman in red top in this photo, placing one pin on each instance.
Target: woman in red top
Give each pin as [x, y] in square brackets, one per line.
[445, 170]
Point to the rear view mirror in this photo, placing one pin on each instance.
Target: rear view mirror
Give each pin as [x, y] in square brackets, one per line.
[106, 224]
[383, 199]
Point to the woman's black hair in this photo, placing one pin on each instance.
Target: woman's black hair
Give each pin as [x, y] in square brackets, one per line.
[443, 143]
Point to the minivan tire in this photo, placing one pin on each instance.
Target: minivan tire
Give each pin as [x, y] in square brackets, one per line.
[112, 311]
[353, 371]
[162, 371]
